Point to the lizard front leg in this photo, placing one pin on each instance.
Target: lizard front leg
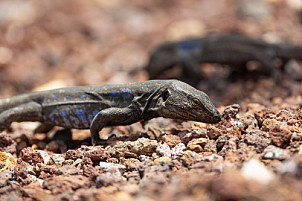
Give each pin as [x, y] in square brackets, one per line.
[191, 71]
[30, 111]
[112, 117]
[271, 69]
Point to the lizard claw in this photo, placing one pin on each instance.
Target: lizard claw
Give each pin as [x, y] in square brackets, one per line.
[98, 142]
[102, 142]
[111, 136]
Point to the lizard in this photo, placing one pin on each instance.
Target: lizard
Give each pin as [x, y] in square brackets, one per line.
[94, 107]
[231, 49]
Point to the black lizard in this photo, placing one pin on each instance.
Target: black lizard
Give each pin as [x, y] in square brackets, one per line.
[95, 107]
[234, 50]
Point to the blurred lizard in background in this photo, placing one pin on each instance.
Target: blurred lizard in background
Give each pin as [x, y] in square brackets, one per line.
[234, 50]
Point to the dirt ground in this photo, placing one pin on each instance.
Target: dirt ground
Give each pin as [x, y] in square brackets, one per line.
[254, 153]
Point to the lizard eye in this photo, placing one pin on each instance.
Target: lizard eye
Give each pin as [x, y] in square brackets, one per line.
[195, 101]
[166, 95]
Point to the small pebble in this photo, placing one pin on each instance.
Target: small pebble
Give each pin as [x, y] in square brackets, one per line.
[289, 166]
[45, 156]
[273, 152]
[40, 181]
[144, 146]
[58, 159]
[257, 171]
[32, 177]
[109, 178]
[178, 150]
[30, 170]
[6, 160]
[144, 158]
[164, 150]
[197, 144]
[104, 166]
[230, 111]
[78, 161]
[162, 159]
[213, 157]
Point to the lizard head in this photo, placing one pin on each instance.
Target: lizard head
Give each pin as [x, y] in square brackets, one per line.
[181, 101]
[161, 59]
[173, 54]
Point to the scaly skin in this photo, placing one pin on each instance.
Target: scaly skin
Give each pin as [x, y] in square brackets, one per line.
[94, 107]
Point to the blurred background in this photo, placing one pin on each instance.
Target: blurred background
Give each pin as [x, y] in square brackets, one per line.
[49, 44]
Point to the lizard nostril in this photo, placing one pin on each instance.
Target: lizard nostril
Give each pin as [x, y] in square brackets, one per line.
[217, 117]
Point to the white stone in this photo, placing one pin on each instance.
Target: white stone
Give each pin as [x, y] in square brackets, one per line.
[40, 181]
[58, 159]
[105, 166]
[213, 157]
[290, 166]
[257, 171]
[76, 162]
[45, 156]
[273, 152]
[164, 150]
[178, 150]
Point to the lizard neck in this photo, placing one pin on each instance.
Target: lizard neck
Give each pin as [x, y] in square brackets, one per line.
[150, 109]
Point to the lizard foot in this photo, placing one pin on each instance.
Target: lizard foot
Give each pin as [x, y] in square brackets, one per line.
[111, 136]
[98, 142]
[102, 142]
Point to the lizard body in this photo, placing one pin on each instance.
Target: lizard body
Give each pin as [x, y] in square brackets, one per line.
[94, 107]
[234, 50]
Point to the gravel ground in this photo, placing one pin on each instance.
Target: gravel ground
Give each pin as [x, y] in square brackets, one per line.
[254, 153]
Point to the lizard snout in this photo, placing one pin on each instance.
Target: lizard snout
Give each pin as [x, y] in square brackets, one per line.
[217, 117]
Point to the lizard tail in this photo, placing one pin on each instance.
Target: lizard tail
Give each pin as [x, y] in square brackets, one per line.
[8, 103]
[5, 104]
[289, 52]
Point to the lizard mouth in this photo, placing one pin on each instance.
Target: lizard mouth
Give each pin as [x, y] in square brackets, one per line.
[212, 118]
[206, 118]
[217, 118]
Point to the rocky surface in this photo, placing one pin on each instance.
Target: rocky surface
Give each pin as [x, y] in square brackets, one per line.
[254, 153]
